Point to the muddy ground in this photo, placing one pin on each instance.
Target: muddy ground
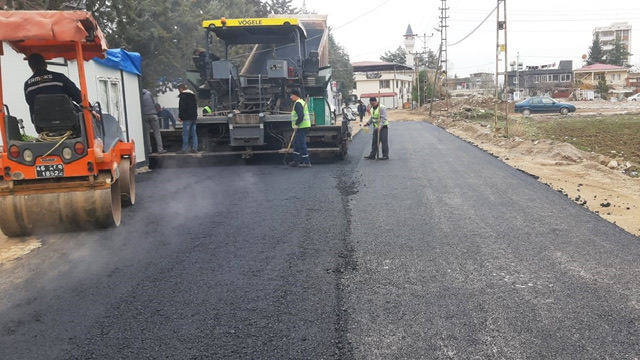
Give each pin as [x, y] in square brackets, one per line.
[587, 178]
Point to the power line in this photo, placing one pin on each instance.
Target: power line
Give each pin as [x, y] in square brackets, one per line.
[361, 15]
[477, 27]
[384, 48]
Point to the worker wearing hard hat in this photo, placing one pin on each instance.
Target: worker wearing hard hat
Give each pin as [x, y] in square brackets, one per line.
[301, 122]
[380, 122]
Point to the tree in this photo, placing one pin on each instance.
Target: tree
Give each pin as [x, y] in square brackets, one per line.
[281, 7]
[304, 10]
[399, 56]
[260, 9]
[432, 60]
[603, 88]
[165, 33]
[618, 55]
[423, 88]
[596, 53]
[38, 4]
[340, 66]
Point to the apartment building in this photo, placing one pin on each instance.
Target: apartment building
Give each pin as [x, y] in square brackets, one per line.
[608, 35]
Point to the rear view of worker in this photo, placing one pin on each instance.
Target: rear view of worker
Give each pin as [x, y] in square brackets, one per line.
[188, 115]
[301, 122]
[151, 122]
[380, 122]
[47, 82]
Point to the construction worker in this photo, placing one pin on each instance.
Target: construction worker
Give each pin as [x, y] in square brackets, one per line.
[47, 82]
[301, 122]
[207, 109]
[151, 122]
[380, 122]
[200, 61]
[188, 116]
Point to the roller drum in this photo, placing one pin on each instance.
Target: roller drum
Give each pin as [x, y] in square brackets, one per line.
[62, 211]
[127, 182]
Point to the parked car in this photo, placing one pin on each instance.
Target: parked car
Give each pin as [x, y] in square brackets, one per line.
[635, 97]
[543, 104]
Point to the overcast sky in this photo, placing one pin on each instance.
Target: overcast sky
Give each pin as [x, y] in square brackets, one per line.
[541, 31]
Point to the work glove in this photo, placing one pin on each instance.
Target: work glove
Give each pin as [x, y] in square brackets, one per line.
[295, 127]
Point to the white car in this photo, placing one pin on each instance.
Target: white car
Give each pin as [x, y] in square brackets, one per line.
[635, 97]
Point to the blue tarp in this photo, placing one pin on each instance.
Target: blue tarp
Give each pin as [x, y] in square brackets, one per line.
[123, 60]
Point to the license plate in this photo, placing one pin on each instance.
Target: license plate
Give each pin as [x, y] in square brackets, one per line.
[49, 171]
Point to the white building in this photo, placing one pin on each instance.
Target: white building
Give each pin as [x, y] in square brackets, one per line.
[387, 81]
[111, 82]
[608, 35]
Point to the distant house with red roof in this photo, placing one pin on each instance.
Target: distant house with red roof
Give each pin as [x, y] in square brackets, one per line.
[616, 76]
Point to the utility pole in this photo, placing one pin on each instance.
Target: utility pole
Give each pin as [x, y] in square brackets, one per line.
[426, 71]
[443, 47]
[435, 77]
[501, 25]
[409, 44]
[506, 76]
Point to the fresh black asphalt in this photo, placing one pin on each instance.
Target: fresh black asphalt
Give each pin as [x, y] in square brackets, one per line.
[442, 252]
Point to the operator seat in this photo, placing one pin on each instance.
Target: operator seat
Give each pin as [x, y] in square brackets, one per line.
[312, 64]
[55, 112]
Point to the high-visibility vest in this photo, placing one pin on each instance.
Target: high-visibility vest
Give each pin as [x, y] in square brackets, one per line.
[207, 110]
[375, 116]
[306, 121]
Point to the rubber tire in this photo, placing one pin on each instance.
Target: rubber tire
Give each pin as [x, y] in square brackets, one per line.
[564, 111]
[526, 112]
[344, 148]
[127, 182]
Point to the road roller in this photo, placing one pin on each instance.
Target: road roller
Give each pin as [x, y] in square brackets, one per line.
[79, 171]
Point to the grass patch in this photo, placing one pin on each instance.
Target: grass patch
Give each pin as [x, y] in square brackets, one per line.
[614, 135]
[611, 135]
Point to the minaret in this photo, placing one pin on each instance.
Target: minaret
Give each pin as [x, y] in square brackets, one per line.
[409, 42]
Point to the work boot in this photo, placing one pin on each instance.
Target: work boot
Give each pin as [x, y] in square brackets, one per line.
[384, 158]
[305, 165]
[294, 164]
[193, 151]
[370, 157]
[163, 151]
[182, 152]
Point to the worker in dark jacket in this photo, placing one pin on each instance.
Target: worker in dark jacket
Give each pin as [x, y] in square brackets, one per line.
[362, 109]
[200, 60]
[301, 122]
[47, 82]
[167, 121]
[188, 115]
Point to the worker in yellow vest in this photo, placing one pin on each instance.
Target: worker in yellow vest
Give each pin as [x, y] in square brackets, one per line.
[380, 122]
[207, 109]
[301, 122]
